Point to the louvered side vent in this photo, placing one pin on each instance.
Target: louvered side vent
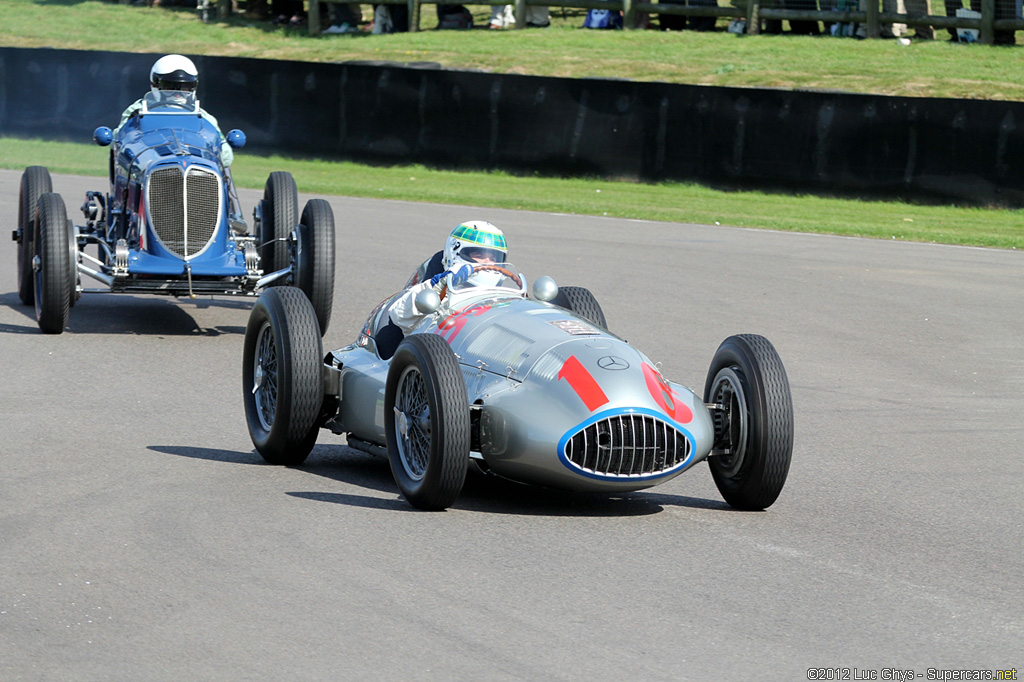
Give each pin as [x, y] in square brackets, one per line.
[628, 445]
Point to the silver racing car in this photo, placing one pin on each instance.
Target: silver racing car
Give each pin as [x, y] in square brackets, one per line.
[524, 384]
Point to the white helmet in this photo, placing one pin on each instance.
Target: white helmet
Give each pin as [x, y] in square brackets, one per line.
[473, 243]
[173, 72]
[476, 241]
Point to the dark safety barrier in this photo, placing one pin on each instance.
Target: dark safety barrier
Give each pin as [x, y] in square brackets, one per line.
[815, 142]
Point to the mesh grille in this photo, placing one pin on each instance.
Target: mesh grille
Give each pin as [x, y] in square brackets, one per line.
[184, 231]
[628, 445]
[203, 208]
[166, 210]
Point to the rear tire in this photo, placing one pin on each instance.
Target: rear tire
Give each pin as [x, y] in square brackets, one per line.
[54, 286]
[282, 385]
[279, 215]
[426, 422]
[314, 258]
[580, 301]
[748, 378]
[35, 182]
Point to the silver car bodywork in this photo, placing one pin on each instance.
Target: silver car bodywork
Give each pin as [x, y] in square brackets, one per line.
[554, 400]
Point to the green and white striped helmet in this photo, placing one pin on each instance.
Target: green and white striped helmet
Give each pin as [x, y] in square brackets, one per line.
[476, 241]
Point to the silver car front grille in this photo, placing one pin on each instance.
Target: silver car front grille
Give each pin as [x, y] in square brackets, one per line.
[184, 210]
[628, 445]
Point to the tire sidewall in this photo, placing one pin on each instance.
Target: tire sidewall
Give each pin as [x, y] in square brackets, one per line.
[421, 493]
[745, 489]
[35, 182]
[315, 259]
[53, 284]
[278, 218]
[283, 434]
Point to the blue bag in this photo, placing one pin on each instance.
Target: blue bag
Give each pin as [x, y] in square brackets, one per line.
[603, 18]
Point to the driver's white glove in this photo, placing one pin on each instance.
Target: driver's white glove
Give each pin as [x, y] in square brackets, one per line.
[462, 275]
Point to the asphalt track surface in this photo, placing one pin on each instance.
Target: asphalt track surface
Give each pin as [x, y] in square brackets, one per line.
[142, 538]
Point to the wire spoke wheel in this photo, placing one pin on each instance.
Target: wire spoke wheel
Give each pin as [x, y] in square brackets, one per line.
[412, 423]
[426, 422]
[265, 376]
[282, 382]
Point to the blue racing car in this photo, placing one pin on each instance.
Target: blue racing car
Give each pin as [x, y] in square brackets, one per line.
[170, 224]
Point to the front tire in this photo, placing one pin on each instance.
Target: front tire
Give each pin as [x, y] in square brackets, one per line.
[582, 302]
[279, 214]
[54, 286]
[282, 384]
[754, 430]
[35, 182]
[426, 422]
[314, 258]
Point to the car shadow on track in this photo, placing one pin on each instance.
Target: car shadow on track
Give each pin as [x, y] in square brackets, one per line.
[486, 494]
[125, 314]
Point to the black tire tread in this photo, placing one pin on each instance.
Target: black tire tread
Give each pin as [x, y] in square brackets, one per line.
[446, 473]
[300, 384]
[770, 451]
[318, 281]
[54, 286]
[35, 182]
[582, 302]
[281, 215]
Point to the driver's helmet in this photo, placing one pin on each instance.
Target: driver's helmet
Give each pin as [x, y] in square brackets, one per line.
[173, 77]
[476, 242]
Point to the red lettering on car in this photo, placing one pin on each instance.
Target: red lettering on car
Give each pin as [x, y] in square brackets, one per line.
[449, 327]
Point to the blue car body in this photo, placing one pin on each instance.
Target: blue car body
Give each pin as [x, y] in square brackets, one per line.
[170, 223]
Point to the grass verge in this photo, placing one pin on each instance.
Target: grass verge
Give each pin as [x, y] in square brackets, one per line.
[671, 202]
[935, 68]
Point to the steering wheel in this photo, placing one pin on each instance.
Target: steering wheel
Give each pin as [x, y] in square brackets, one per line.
[493, 268]
[503, 270]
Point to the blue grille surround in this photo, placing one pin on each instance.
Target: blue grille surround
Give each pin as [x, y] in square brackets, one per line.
[626, 445]
[184, 208]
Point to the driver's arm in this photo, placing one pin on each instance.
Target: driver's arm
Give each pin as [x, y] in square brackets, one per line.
[227, 155]
[403, 310]
[133, 109]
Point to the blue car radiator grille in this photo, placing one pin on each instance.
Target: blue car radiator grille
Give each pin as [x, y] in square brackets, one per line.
[184, 210]
[627, 445]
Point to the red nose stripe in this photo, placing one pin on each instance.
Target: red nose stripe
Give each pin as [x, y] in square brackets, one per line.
[585, 386]
[665, 396]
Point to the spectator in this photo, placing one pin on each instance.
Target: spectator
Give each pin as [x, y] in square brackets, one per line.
[501, 17]
[537, 17]
[952, 6]
[454, 16]
[919, 8]
[344, 17]
[257, 9]
[804, 27]
[390, 18]
[288, 12]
